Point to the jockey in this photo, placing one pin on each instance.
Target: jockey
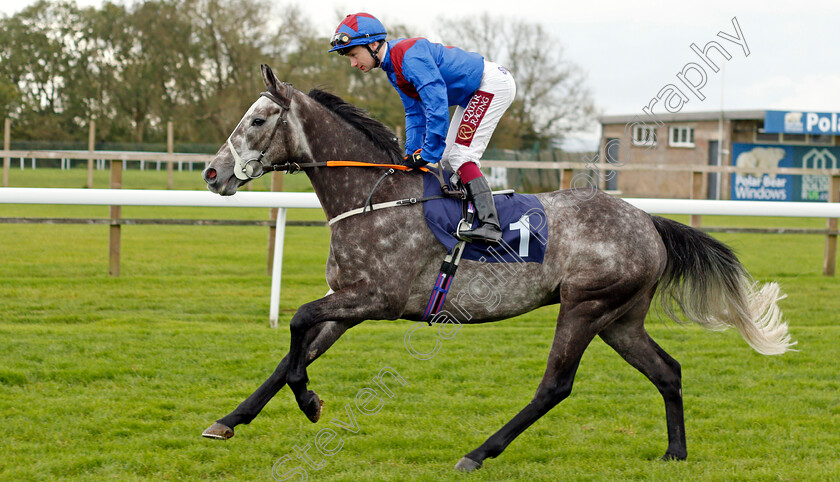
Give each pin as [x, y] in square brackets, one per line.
[429, 78]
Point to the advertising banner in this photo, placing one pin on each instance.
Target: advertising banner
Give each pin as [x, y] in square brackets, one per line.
[801, 122]
[782, 187]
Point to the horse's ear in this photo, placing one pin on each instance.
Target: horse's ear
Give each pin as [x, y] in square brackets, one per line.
[268, 77]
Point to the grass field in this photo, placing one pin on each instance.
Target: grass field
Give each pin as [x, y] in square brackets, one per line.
[105, 377]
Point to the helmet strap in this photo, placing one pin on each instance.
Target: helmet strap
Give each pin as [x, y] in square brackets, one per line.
[375, 53]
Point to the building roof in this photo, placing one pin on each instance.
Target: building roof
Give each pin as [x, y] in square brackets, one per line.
[682, 116]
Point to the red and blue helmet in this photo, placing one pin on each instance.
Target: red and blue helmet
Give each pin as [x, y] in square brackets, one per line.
[357, 29]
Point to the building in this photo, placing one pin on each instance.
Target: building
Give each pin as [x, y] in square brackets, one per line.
[750, 138]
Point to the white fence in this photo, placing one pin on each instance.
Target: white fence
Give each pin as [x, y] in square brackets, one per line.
[139, 197]
[286, 200]
[147, 197]
[736, 208]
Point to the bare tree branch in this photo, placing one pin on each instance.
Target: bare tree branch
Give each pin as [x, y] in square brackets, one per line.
[552, 97]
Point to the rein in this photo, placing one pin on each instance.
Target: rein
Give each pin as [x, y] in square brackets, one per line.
[296, 167]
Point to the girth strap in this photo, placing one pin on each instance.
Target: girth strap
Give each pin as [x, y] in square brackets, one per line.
[374, 207]
[390, 204]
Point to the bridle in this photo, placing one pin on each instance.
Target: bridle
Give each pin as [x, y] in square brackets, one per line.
[254, 168]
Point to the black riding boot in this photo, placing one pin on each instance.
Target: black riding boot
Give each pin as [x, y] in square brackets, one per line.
[488, 229]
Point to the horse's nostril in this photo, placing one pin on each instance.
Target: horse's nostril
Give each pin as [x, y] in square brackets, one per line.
[209, 174]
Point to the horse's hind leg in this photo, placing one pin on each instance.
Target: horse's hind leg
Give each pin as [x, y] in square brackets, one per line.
[628, 337]
[572, 336]
[319, 339]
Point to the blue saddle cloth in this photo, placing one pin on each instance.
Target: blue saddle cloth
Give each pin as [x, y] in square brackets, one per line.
[522, 218]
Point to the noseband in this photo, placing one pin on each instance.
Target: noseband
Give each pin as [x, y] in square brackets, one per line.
[254, 168]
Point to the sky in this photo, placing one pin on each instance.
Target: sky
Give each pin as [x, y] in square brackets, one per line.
[630, 51]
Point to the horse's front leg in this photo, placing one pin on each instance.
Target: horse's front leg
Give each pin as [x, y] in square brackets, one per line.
[348, 306]
[318, 340]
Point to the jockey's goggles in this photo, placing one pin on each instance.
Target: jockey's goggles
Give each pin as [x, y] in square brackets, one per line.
[340, 39]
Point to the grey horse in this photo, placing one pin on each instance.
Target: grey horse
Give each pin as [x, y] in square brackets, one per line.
[604, 262]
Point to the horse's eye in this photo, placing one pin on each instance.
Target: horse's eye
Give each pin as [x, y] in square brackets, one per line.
[257, 122]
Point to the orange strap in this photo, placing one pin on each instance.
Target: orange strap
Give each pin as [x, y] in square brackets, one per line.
[369, 164]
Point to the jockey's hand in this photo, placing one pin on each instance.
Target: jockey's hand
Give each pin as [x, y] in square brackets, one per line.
[414, 161]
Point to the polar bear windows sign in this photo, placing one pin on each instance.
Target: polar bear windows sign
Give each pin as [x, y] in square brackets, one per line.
[782, 187]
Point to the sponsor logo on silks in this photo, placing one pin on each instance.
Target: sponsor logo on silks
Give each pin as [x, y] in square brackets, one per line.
[472, 117]
[465, 133]
[503, 70]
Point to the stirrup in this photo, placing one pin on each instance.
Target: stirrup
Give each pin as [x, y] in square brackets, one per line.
[463, 227]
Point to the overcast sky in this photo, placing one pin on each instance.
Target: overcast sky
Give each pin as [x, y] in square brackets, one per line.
[631, 50]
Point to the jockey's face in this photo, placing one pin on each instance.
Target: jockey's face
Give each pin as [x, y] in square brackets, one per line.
[361, 59]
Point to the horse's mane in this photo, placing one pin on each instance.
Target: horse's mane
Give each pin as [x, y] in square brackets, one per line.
[381, 136]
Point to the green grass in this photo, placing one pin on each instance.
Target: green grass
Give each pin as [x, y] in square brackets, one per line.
[105, 377]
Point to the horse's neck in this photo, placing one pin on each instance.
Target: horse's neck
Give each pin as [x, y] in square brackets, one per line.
[341, 189]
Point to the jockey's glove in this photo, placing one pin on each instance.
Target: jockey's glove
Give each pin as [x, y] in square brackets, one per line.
[414, 161]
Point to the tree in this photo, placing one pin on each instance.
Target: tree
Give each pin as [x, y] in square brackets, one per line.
[308, 64]
[135, 66]
[552, 98]
[36, 62]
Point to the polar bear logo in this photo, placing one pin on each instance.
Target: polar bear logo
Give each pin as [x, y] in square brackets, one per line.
[793, 118]
[762, 157]
[793, 122]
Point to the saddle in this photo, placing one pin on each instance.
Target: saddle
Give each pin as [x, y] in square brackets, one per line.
[523, 222]
[522, 219]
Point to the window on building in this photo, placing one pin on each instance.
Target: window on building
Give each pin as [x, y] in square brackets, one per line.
[821, 139]
[794, 137]
[644, 136]
[682, 137]
[762, 136]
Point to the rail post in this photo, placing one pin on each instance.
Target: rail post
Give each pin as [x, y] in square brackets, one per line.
[114, 228]
[7, 146]
[830, 261]
[566, 178]
[276, 186]
[170, 148]
[274, 304]
[697, 192]
[91, 148]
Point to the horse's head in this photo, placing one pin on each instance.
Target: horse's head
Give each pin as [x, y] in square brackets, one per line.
[267, 135]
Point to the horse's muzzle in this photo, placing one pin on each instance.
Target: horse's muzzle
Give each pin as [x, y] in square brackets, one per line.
[218, 184]
[209, 175]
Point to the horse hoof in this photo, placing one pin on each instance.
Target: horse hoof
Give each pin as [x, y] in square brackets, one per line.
[467, 465]
[671, 456]
[313, 407]
[218, 431]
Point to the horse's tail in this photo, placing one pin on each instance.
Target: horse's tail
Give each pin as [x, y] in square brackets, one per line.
[713, 289]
